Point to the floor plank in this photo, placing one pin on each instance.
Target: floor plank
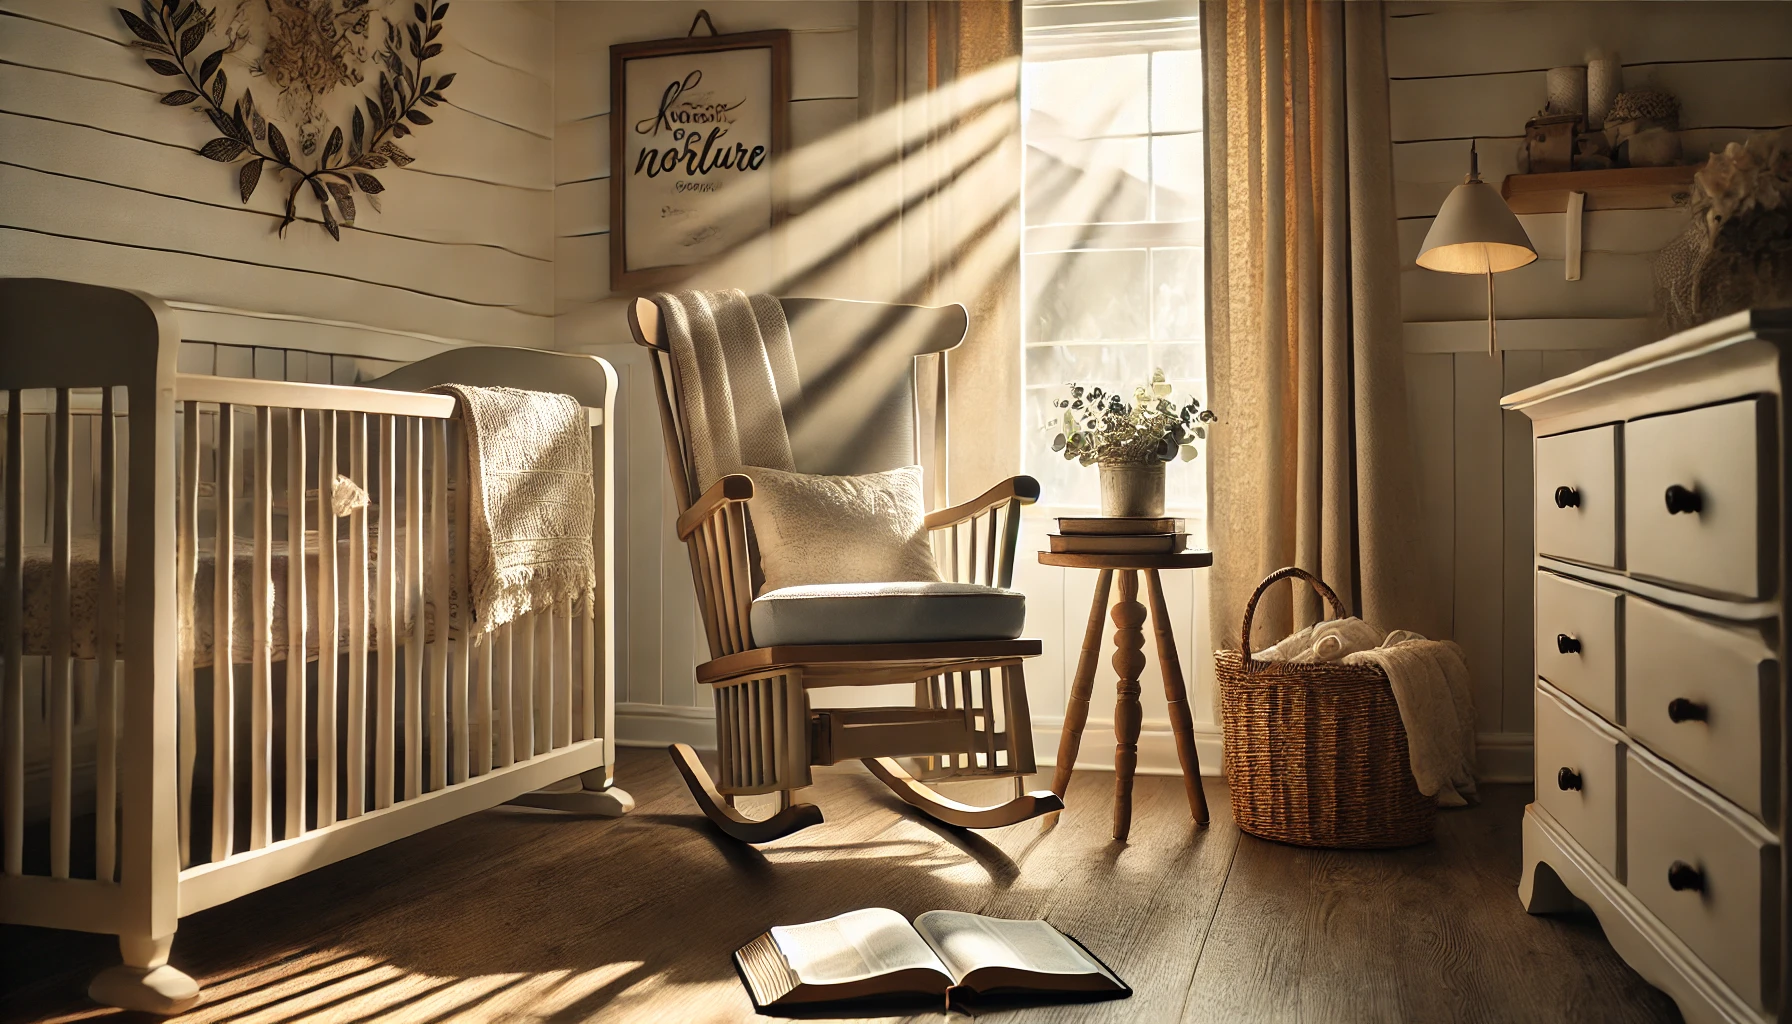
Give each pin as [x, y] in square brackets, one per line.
[522, 914]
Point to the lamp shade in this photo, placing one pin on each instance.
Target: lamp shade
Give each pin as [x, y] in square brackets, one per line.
[1476, 233]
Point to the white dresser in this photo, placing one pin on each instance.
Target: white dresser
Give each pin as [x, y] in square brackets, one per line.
[1661, 624]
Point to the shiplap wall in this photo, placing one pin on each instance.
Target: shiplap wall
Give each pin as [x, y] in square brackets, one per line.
[1461, 71]
[659, 633]
[100, 183]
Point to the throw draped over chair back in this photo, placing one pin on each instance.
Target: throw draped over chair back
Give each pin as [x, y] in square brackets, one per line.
[858, 410]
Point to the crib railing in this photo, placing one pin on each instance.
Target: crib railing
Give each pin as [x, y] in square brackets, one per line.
[360, 683]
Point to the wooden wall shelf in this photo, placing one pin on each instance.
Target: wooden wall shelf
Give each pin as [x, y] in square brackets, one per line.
[1626, 188]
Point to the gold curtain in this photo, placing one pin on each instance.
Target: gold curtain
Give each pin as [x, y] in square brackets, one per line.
[1312, 464]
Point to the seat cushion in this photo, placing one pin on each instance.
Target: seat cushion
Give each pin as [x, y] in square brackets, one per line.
[882, 613]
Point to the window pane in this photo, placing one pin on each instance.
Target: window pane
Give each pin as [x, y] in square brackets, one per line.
[1178, 290]
[1071, 182]
[1085, 98]
[1103, 363]
[1176, 95]
[1087, 296]
[1184, 365]
[1178, 167]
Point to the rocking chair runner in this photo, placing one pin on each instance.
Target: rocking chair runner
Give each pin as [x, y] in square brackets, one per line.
[857, 414]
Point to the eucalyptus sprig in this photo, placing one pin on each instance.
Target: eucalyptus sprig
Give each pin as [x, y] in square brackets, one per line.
[176, 28]
[1102, 427]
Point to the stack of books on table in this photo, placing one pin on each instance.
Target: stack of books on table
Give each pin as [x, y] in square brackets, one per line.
[1112, 535]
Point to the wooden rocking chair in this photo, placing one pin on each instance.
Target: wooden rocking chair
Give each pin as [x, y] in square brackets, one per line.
[857, 414]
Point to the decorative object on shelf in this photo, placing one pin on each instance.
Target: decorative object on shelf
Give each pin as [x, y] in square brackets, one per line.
[1592, 152]
[699, 125]
[1130, 441]
[1567, 88]
[1737, 251]
[1642, 128]
[1475, 232]
[1549, 142]
[306, 52]
[1605, 79]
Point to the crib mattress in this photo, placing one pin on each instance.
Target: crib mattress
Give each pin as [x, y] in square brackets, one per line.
[197, 624]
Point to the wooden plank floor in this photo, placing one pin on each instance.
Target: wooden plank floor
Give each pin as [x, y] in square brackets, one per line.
[518, 914]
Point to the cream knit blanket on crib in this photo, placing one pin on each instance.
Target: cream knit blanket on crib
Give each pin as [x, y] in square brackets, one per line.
[733, 362]
[530, 531]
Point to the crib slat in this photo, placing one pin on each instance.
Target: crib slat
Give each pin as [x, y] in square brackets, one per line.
[482, 706]
[413, 603]
[355, 735]
[61, 683]
[294, 819]
[186, 583]
[223, 587]
[459, 633]
[541, 644]
[385, 621]
[563, 675]
[105, 630]
[522, 650]
[438, 589]
[328, 618]
[14, 712]
[261, 709]
[588, 668]
[504, 701]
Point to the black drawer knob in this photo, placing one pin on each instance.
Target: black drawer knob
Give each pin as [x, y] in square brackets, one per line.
[1567, 497]
[1567, 644]
[1682, 710]
[1567, 779]
[1683, 499]
[1683, 876]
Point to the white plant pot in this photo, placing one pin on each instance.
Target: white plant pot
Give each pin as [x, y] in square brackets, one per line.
[1132, 489]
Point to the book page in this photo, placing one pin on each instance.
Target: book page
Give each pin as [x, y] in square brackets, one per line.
[854, 946]
[970, 942]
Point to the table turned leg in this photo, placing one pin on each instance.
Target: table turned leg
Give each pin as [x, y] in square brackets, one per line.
[1076, 710]
[1182, 723]
[1129, 660]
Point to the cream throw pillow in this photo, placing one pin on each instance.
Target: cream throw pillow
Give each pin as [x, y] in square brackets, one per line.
[840, 529]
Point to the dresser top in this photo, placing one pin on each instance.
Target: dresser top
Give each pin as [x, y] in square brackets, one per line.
[1767, 324]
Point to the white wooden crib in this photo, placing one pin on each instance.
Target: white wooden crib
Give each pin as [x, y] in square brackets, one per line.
[354, 713]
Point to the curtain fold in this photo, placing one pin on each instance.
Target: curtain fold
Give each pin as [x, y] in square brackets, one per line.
[1312, 464]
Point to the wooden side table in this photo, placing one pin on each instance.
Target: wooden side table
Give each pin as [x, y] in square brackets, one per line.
[1129, 659]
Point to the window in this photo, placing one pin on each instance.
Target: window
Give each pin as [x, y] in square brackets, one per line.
[1113, 264]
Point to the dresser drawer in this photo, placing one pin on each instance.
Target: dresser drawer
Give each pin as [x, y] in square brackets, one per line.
[1578, 626]
[1580, 777]
[1705, 697]
[1707, 874]
[1698, 493]
[1577, 496]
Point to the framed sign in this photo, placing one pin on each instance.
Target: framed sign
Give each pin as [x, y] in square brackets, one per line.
[695, 127]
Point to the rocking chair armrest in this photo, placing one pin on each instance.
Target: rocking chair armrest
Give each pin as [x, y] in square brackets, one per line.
[732, 488]
[1023, 489]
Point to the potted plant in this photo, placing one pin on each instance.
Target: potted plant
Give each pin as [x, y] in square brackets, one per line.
[1130, 441]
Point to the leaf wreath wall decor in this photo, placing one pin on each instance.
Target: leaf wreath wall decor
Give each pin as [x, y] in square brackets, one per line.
[315, 35]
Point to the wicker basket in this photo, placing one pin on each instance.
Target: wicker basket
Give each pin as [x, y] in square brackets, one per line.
[1315, 753]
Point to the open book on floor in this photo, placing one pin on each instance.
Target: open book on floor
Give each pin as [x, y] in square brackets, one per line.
[876, 953]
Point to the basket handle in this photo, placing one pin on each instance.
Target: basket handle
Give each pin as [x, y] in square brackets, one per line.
[1295, 572]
